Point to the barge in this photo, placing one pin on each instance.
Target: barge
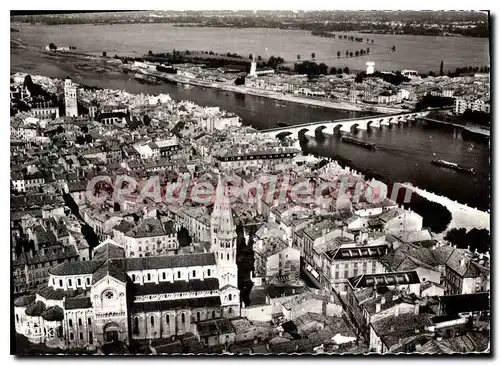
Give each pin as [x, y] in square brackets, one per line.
[358, 142]
[282, 124]
[453, 166]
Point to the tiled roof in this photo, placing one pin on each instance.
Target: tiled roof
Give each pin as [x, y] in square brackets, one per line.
[161, 262]
[108, 251]
[403, 322]
[36, 309]
[386, 279]
[24, 300]
[214, 327]
[151, 227]
[460, 303]
[75, 268]
[77, 302]
[111, 269]
[54, 313]
[344, 253]
[58, 294]
[177, 286]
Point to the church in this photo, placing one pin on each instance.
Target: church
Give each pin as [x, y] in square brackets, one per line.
[115, 298]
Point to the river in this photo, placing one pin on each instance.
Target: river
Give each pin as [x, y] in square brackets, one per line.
[421, 53]
[404, 152]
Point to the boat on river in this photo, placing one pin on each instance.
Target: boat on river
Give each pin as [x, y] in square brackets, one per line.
[453, 166]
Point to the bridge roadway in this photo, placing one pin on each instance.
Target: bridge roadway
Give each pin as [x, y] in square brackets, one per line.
[345, 125]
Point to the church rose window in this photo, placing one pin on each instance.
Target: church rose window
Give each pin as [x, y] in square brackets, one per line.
[109, 295]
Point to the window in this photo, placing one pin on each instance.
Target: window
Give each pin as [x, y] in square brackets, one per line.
[133, 277]
[17, 317]
[70, 323]
[194, 273]
[140, 249]
[81, 335]
[109, 295]
[198, 316]
[183, 318]
[89, 322]
[213, 314]
[135, 329]
[228, 256]
[79, 282]
[88, 281]
[80, 321]
[230, 297]
[61, 283]
[164, 276]
[91, 338]
[149, 277]
[152, 319]
[178, 274]
[230, 310]
[167, 319]
[71, 337]
[208, 272]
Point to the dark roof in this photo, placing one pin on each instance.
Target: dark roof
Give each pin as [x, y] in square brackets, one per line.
[209, 302]
[344, 253]
[54, 313]
[58, 294]
[215, 327]
[111, 269]
[385, 279]
[75, 268]
[36, 309]
[109, 251]
[392, 325]
[160, 262]
[77, 302]
[24, 300]
[460, 303]
[177, 286]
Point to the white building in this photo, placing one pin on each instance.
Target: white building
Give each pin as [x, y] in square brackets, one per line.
[70, 98]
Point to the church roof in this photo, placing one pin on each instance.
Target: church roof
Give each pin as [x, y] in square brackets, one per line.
[75, 268]
[209, 302]
[160, 262]
[111, 269]
[54, 313]
[77, 302]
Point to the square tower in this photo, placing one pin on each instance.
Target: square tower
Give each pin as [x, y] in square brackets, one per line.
[70, 99]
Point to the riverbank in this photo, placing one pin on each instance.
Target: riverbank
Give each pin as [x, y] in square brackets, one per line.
[463, 216]
[336, 104]
[470, 128]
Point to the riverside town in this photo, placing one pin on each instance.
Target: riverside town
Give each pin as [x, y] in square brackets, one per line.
[320, 186]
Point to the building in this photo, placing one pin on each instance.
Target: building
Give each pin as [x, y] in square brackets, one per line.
[467, 274]
[45, 111]
[70, 98]
[91, 303]
[151, 237]
[479, 105]
[370, 68]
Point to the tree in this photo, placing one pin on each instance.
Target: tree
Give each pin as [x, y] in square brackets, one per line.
[338, 54]
[356, 53]
[350, 54]
[313, 55]
[368, 51]
[346, 70]
[52, 47]
[104, 54]
[347, 53]
[372, 40]
[323, 69]
[259, 58]
[441, 71]
[250, 56]
[339, 71]
[187, 52]
[393, 48]
[150, 52]
[333, 71]
[298, 57]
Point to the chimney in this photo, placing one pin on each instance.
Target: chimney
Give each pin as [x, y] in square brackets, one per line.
[418, 347]
[416, 309]
[396, 310]
[382, 300]
[462, 262]
[377, 307]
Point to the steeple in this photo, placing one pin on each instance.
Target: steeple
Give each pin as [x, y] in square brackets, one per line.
[222, 215]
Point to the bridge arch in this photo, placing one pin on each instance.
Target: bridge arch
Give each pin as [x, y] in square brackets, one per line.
[319, 129]
[373, 123]
[337, 128]
[283, 134]
[301, 133]
[353, 127]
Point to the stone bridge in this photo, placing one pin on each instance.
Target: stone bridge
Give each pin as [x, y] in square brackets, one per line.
[344, 125]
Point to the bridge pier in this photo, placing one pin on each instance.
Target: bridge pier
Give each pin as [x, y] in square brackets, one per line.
[346, 128]
[385, 122]
[310, 133]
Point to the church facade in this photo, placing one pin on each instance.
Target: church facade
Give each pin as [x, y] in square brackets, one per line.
[115, 298]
